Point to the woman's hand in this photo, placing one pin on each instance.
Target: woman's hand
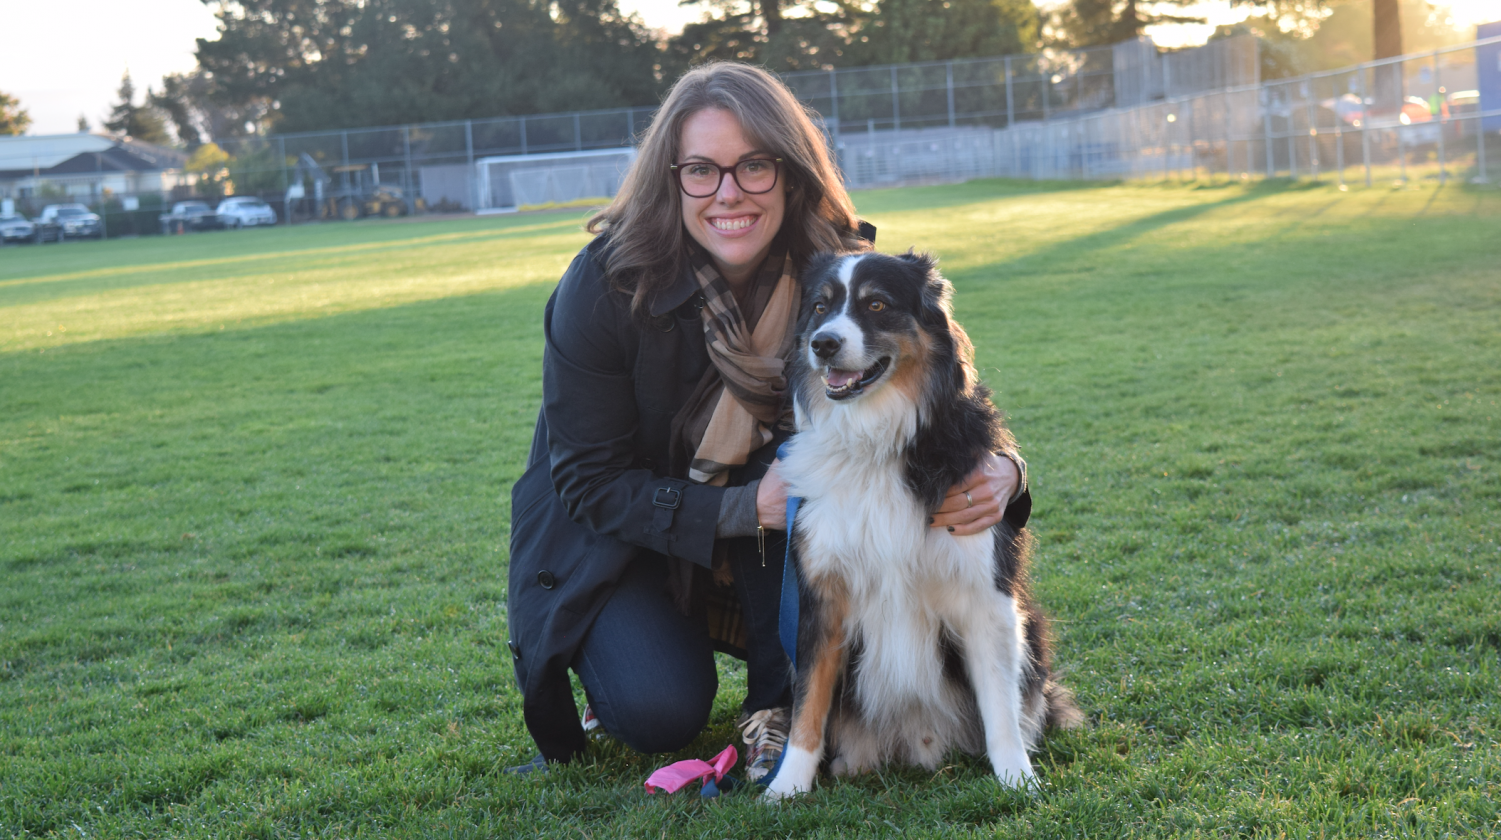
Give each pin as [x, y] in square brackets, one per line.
[771, 498]
[989, 488]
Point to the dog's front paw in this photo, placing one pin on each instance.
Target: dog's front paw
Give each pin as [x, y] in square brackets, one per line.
[1014, 771]
[794, 775]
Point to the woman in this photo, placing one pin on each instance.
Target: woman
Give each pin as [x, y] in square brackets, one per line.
[639, 539]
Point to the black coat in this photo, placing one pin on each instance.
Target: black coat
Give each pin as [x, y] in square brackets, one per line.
[593, 495]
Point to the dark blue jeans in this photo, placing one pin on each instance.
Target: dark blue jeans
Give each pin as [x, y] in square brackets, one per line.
[649, 670]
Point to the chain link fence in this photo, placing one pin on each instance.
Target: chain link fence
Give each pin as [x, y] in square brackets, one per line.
[1431, 115]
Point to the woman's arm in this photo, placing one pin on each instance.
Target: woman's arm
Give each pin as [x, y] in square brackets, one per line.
[589, 396]
[996, 490]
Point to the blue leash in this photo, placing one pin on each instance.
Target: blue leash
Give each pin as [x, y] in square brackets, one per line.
[787, 609]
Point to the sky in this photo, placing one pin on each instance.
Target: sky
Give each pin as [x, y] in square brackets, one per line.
[63, 58]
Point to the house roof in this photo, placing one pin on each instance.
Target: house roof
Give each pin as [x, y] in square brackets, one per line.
[75, 154]
[48, 150]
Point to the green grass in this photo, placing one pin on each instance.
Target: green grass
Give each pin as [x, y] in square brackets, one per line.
[254, 506]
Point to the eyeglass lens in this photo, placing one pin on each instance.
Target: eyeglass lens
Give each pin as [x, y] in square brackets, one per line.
[702, 179]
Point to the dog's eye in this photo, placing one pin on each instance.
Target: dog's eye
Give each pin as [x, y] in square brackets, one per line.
[877, 305]
[821, 308]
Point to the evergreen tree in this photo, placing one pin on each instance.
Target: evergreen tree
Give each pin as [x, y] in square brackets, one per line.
[138, 122]
[83, 124]
[13, 118]
[1092, 23]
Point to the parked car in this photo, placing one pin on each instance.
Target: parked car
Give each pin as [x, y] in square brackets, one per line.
[68, 221]
[190, 215]
[245, 211]
[15, 228]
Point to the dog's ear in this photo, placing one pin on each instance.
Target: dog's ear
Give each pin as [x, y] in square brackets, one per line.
[936, 290]
[818, 265]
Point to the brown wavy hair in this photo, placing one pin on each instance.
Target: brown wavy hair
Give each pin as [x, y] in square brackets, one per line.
[645, 221]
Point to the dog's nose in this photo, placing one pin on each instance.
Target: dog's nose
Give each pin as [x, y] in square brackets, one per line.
[825, 345]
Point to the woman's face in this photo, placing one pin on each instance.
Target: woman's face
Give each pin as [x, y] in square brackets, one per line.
[734, 226]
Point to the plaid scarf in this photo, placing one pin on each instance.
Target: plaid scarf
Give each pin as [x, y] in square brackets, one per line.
[731, 412]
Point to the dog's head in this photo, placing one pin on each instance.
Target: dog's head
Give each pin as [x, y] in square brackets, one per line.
[871, 321]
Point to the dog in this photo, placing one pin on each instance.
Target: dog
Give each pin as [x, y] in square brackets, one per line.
[911, 641]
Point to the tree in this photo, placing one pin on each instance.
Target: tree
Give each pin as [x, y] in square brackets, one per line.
[13, 118]
[1092, 23]
[788, 35]
[1310, 38]
[83, 124]
[316, 64]
[138, 122]
[901, 31]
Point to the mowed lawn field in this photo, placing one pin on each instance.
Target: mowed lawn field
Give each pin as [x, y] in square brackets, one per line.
[254, 515]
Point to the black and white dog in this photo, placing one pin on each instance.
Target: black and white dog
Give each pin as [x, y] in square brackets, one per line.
[911, 641]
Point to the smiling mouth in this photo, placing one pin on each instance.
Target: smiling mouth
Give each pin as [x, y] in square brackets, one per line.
[740, 223]
[843, 384]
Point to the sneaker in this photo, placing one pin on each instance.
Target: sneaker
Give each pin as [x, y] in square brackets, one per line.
[592, 727]
[766, 734]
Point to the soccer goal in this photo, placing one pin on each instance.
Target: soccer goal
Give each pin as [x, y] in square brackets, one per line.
[509, 182]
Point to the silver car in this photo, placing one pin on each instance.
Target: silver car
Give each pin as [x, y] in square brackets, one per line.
[245, 211]
[15, 228]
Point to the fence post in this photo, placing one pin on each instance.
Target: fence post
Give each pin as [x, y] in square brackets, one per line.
[949, 67]
[1313, 134]
[406, 172]
[834, 97]
[578, 134]
[344, 137]
[1365, 128]
[1229, 145]
[1443, 123]
[896, 101]
[1292, 140]
[1010, 100]
[1047, 91]
[469, 157]
[1266, 126]
[281, 163]
[630, 126]
[1480, 144]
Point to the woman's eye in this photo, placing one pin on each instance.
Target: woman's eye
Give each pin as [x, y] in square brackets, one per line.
[877, 306]
[698, 170]
[821, 308]
[754, 167]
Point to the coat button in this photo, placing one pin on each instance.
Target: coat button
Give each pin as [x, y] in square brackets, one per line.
[545, 579]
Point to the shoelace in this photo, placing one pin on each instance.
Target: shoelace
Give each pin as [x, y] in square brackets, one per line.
[766, 729]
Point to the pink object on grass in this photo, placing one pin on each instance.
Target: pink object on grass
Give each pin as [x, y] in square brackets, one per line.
[678, 775]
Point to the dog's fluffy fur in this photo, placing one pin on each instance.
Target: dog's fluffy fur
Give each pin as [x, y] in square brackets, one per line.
[911, 641]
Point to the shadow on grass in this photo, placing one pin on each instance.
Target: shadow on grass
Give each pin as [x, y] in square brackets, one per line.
[1048, 259]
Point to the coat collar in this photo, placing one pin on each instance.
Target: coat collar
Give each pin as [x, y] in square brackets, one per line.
[670, 298]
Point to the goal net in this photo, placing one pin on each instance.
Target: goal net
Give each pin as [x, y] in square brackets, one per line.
[509, 182]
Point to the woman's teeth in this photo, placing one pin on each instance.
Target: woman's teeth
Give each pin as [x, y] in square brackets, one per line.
[734, 224]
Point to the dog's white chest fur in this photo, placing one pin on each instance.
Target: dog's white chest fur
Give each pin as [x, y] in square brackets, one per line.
[907, 584]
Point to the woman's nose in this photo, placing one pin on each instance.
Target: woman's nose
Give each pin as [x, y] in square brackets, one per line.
[729, 188]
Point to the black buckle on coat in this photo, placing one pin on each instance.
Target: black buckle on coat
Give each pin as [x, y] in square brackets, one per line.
[661, 501]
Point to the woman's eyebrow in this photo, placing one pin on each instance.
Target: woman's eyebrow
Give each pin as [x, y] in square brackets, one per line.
[746, 156]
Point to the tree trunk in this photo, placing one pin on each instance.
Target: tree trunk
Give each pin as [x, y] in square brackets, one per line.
[771, 10]
[1388, 28]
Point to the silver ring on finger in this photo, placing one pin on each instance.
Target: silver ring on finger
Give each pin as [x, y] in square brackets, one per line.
[970, 499]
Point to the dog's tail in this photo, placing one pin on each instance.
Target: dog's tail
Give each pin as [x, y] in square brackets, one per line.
[1062, 712]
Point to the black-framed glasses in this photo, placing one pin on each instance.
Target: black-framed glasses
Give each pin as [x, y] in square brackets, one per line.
[701, 179]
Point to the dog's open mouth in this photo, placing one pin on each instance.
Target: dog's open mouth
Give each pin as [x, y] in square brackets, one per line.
[843, 384]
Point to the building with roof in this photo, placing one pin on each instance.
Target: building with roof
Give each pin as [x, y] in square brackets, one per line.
[85, 167]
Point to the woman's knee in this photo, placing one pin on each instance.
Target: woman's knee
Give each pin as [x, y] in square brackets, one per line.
[658, 721]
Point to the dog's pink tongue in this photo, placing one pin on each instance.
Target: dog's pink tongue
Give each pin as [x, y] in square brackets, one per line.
[840, 378]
